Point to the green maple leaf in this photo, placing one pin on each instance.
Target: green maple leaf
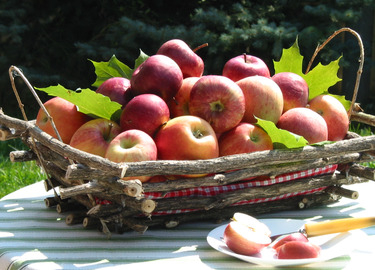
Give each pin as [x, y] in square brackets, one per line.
[281, 138]
[115, 68]
[319, 79]
[87, 101]
[141, 58]
[290, 61]
[112, 68]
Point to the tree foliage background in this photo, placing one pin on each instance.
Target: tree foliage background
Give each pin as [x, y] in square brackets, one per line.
[52, 41]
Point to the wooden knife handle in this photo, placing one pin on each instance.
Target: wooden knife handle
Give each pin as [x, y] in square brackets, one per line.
[338, 225]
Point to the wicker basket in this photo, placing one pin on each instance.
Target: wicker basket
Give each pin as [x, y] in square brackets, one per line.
[90, 189]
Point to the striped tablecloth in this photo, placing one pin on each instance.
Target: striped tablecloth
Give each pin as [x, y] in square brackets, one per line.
[35, 237]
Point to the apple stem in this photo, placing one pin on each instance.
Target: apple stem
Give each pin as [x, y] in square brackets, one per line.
[198, 133]
[200, 47]
[244, 57]
[254, 138]
[175, 101]
[106, 136]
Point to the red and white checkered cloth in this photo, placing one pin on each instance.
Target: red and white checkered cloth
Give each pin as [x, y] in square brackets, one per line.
[210, 191]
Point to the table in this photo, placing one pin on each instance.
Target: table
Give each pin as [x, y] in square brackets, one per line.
[33, 236]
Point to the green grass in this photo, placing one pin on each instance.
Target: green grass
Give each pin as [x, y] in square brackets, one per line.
[363, 131]
[13, 176]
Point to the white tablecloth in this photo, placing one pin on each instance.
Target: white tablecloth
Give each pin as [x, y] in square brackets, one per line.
[33, 236]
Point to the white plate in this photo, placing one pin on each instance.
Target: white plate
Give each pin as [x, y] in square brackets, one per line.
[332, 245]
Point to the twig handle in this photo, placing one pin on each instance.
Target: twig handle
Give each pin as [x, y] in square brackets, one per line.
[361, 61]
[15, 71]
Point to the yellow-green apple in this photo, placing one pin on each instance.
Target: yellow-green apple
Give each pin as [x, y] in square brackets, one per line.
[263, 99]
[131, 146]
[219, 101]
[306, 123]
[146, 112]
[65, 116]
[117, 89]
[243, 66]
[334, 113]
[159, 75]
[244, 138]
[298, 250]
[243, 240]
[297, 236]
[294, 88]
[95, 135]
[186, 137]
[190, 63]
[179, 105]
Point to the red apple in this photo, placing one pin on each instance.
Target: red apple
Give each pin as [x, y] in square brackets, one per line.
[190, 63]
[186, 138]
[263, 99]
[219, 101]
[244, 138]
[179, 105]
[65, 116]
[243, 240]
[294, 88]
[131, 146]
[146, 112]
[334, 113]
[159, 75]
[117, 89]
[298, 250]
[95, 135]
[290, 237]
[243, 66]
[306, 123]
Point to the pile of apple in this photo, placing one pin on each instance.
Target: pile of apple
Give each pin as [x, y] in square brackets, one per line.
[171, 111]
[248, 236]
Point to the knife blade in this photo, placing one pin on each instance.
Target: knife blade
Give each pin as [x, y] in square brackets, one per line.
[312, 229]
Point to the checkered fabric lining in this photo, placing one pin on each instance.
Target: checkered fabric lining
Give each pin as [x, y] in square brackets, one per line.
[215, 190]
[210, 191]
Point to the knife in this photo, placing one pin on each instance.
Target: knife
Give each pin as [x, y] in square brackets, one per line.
[312, 229]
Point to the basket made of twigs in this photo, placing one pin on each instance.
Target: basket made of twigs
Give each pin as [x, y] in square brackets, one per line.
[90, 189]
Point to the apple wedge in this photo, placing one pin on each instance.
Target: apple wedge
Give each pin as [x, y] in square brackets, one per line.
[298, 250]
[290, 237]
[252, 223]
[242, 239]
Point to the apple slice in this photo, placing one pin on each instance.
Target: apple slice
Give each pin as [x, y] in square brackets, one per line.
[298, 250]
[290, 237]
[252, 223]
[242, 239]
